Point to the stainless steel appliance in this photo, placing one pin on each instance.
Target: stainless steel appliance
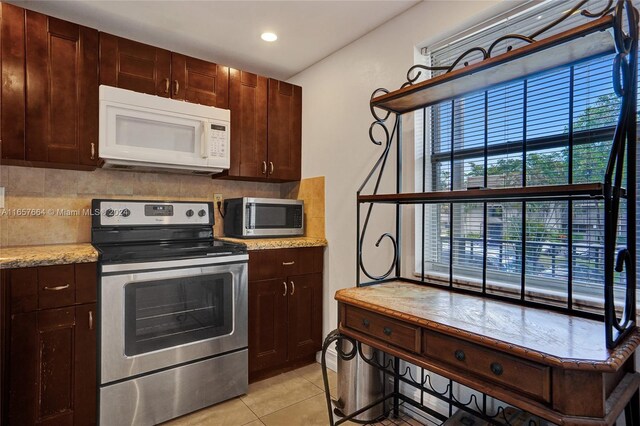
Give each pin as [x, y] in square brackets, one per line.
[172, 309]
[263, 217]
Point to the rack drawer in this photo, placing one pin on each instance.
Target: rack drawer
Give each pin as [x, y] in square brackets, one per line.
[386, 329]
[509, 371]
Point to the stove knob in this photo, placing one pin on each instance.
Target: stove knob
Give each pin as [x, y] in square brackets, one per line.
[189, 213]
[202, 212]
[109, 213]
[125, 213]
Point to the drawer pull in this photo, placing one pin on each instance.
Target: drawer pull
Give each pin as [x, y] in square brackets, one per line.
[365, 322]
[58, 288]
[459, 354]
[496, 368]
[288, 263]
[387, 331]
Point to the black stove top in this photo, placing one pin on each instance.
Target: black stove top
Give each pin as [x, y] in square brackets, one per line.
[129, 231]
[148, 252]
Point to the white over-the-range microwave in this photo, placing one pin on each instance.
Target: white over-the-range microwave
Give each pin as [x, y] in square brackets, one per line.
[146, 132]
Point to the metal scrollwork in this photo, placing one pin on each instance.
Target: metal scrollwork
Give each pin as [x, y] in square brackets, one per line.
[415, 71]
[625, 77]
[388, 137]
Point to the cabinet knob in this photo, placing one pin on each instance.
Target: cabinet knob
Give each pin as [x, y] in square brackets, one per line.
[284, 283]
[496, 368]
[293, 287]
[459, 354]
[387, 331]
[176, 87]
[166, 85]
[264, 167]
[365, 322]
[93, 151]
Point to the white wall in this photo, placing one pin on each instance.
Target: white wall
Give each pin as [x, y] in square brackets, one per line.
[336, 120]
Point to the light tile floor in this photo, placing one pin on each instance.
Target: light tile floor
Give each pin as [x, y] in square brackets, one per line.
[295, 398]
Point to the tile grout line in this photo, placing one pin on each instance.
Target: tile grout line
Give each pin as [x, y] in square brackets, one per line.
[289, 406]
[254, 413]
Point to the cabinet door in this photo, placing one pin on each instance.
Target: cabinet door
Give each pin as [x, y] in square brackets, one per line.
[52, 367]
[85, 366]
[134, 66]
[248, 104]
[267, 324]
[198, 81]
[61, 91]
[305, 315]
[285, 131]
[12, 98]
[41, 368]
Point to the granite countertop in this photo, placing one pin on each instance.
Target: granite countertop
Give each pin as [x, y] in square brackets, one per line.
[276, 243]
[43, 255]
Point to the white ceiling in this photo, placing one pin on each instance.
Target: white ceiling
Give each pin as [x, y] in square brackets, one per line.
[228, 32]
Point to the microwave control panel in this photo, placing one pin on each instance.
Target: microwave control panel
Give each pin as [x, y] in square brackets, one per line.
[217, 137]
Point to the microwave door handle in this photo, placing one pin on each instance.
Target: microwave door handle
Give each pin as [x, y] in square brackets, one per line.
[204, 145]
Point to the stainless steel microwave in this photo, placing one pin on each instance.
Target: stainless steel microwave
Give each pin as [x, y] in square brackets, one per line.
[263, 217]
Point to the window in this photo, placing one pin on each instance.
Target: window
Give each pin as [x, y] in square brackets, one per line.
[550, 129]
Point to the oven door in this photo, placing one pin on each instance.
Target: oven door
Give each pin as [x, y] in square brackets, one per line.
[158, 314]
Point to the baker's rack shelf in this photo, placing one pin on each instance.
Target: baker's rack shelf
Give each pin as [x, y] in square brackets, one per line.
[613, 29]
[583, 42]
[580, 191]
[603, 34]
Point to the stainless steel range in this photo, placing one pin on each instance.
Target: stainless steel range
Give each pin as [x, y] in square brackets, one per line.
[172, 308]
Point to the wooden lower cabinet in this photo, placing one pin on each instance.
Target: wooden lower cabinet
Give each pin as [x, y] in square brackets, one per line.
[305, 316]
[49, 355]
[267, 324]
[285, 312]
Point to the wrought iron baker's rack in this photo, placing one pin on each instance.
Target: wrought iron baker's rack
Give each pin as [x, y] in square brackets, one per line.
[538, 54]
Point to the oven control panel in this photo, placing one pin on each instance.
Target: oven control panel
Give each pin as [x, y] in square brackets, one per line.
[154, 213]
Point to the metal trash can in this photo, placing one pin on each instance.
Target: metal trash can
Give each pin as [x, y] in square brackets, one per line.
[359, 384]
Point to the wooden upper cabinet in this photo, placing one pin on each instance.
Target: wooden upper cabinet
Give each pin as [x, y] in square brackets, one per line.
[266, 128]
[49, 106]
[134, 66]
[248, 104]
[285, 130]
[198, 81]
[12, 97]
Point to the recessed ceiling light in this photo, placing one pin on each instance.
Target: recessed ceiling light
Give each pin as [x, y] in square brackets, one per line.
[269, 37]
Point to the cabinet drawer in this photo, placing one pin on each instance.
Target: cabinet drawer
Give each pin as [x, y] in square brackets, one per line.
[46, 287]
[276, 263]
[386, 329]
[504, 369]
[56, 286]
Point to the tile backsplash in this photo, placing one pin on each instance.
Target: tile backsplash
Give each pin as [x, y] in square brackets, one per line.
[311, 190]
[53, 200]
